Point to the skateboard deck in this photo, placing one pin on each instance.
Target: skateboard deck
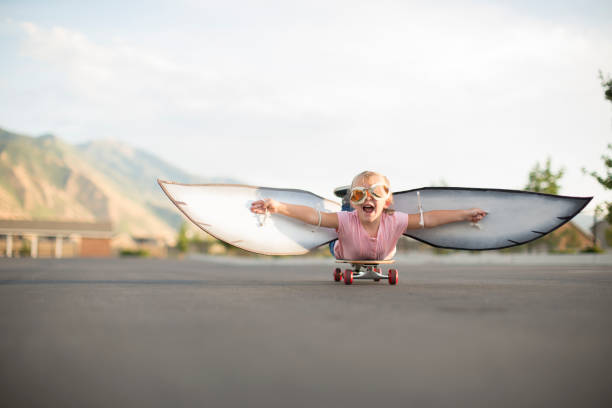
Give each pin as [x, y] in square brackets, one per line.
[365, 262]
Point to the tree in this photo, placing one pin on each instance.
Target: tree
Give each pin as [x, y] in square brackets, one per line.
[605, 180]
[607, 86]
[182, 241]
[544, 179]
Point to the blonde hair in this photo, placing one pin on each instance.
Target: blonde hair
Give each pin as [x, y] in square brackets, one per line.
[367, 174]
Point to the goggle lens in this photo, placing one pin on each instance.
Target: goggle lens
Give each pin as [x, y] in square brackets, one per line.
[377, 191]
[358, 195]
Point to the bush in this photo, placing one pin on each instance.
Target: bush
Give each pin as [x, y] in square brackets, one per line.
[609, 236]
[443, 251]
[563, 251]
[141, 253]
[593, 250]
[25, 249]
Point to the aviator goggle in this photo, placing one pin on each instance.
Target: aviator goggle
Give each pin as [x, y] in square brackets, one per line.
[378, 191]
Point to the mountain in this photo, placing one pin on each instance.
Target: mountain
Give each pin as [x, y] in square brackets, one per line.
[127, 167]
[46, 178]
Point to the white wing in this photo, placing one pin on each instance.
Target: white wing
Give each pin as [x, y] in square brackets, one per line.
[223, 211]
[515, 217]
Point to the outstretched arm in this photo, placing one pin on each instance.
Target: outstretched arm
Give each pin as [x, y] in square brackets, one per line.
[300, 212]
[441, 217]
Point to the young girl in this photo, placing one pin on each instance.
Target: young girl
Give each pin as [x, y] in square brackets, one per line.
[372, 230]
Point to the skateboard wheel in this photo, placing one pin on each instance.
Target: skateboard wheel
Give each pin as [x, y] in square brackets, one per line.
[338, 275]
[348, 276]
[392, 276]
[377, 270]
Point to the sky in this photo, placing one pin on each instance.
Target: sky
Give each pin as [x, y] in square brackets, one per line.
[307, 94]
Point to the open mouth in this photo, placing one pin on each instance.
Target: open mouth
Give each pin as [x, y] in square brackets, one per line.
[368, 208]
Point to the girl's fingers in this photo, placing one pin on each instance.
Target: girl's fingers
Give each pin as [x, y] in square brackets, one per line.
[258, 206]
[478, 215]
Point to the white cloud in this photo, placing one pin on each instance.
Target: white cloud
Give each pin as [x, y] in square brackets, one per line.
[474, 95]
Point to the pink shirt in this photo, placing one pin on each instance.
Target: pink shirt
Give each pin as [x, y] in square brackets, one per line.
[355, 243]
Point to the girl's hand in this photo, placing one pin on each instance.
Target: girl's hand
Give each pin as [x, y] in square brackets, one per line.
[475, 214]
[260, 206]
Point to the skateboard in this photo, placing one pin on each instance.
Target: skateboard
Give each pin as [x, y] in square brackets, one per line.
[367, 269]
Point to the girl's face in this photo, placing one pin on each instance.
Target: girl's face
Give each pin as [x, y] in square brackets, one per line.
[371, 209]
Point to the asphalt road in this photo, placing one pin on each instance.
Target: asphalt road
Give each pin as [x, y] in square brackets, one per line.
[107, 333]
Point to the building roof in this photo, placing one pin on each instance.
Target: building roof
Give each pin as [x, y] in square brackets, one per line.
[89, 229]
[581, 231]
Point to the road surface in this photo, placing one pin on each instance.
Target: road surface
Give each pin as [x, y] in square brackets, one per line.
[131, 332]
